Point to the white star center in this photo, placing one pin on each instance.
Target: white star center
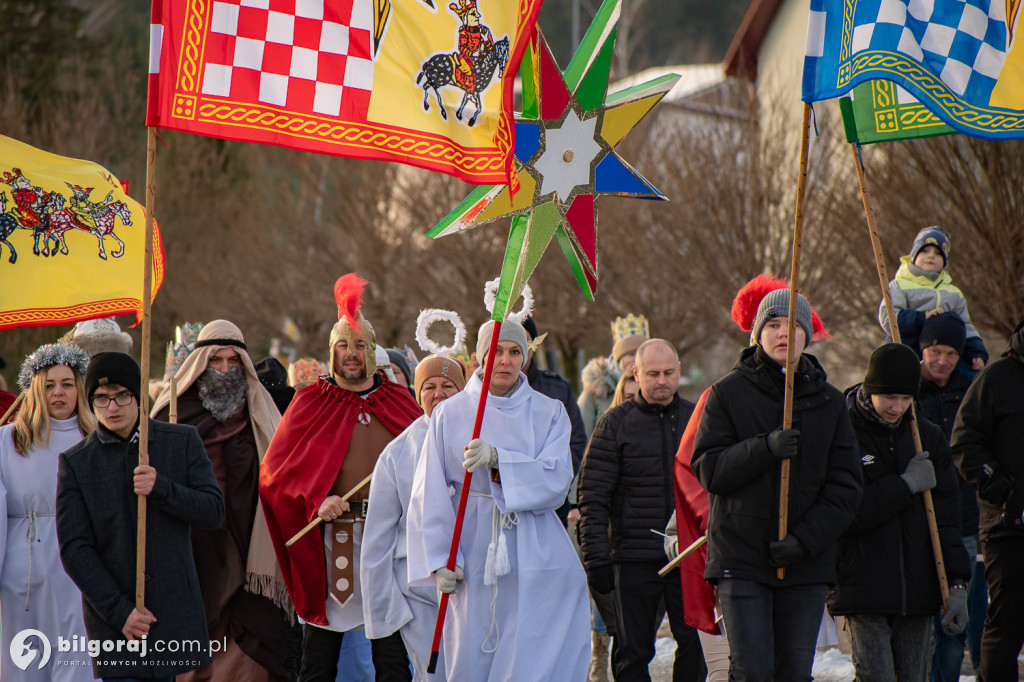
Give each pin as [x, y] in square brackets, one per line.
[568, 153]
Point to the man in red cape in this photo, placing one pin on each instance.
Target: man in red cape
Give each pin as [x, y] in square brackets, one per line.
[328, 441]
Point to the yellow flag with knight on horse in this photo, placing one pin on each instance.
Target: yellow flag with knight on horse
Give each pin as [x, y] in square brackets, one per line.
[72, 241]
[422, 82]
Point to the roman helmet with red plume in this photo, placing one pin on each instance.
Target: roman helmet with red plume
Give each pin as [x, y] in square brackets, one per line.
[765, 297]
[351, 325]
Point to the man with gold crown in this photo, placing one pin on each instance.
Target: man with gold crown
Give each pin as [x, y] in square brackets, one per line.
[601, 375]
[326, 446]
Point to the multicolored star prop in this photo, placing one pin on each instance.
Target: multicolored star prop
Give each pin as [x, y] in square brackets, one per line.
[565, 157]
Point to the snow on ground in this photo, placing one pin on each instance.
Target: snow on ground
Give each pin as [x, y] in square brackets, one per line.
[829, 666]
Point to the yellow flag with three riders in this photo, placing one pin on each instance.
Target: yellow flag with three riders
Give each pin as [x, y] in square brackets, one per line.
[72, 242]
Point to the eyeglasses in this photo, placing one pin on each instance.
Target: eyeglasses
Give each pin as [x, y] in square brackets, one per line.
[124, 398]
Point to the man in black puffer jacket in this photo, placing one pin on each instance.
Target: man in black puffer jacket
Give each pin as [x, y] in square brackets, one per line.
[988, 443]
[626, 494]
[772, 623]
[943, 388]
[887, 585]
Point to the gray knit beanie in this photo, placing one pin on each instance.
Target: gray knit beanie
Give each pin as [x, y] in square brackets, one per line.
[510, 331]
[776, 304]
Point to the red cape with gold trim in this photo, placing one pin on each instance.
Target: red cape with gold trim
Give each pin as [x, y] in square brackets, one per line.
[301, 465]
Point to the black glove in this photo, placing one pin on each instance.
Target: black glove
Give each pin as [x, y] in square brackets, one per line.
[954, 618]
[786, 552]
[995, 487]
[919, 474]
[784, 443]
[601, 579]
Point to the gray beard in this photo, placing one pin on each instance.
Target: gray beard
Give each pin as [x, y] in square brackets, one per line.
[222, 394]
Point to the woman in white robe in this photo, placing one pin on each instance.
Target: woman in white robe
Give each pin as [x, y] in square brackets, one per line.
[389, 603]
[527, 618]
[35, 592]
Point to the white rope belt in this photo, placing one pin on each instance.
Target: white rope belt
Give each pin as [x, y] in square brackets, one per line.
[31, 535]
[497, 564]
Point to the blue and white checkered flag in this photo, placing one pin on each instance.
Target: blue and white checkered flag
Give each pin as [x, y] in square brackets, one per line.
[958, 57]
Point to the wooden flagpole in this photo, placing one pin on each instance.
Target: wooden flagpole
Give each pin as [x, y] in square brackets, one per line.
[794, 274]
[147, 296]
[172, 386]
[894, 330]
[442, 608]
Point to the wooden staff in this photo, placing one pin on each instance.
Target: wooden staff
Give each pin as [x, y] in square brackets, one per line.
[147, 295]
[317, 521]
[442, 608]
[172, 386]
[894, 330]
[694, 546]
[13, 408]
[791, 358]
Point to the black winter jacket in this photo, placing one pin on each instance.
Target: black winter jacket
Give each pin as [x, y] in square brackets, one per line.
[558, 387]
[885, 564]
[939, 405]
[97, 518]
[626, 485]
[732, 461]
[989, 436]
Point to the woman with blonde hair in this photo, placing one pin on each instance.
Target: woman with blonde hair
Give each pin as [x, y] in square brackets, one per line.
[625, 389]
[35, 592]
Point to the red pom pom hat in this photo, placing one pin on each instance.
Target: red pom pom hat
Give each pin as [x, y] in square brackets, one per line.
[766, 297]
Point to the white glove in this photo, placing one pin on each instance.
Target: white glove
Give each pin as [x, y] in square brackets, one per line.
[671, 538]
[446, 580]
[480, 453]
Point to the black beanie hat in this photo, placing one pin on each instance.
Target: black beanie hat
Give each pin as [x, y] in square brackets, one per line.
[531, 327]
[398, 357]
[945, 330]
[893, 369]
[113, 368]
[274, 378]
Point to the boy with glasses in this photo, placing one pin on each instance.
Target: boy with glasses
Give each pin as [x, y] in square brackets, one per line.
[98, 485]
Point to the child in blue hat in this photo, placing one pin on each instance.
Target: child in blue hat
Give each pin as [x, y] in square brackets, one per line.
[923, 288]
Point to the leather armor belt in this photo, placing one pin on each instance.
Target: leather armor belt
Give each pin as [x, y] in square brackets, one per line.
[368, 440]
[341, 582]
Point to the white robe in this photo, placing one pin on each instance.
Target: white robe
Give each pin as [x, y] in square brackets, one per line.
[537, 625]
[389, 604]
[31, 572]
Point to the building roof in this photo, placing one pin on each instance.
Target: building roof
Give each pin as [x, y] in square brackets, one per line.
[693, 79]
[741, 57]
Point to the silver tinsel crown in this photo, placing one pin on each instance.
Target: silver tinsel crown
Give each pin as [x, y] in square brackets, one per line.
[51, 354]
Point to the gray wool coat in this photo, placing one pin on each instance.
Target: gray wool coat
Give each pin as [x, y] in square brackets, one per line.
[97, 518]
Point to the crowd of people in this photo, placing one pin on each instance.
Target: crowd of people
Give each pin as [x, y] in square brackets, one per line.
[300, 520]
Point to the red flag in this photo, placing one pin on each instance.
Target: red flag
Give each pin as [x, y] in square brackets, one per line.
[692, 523]
[418, 82]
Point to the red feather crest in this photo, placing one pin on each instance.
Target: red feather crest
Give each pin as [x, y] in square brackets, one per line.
[744, 306]
[348, 292]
